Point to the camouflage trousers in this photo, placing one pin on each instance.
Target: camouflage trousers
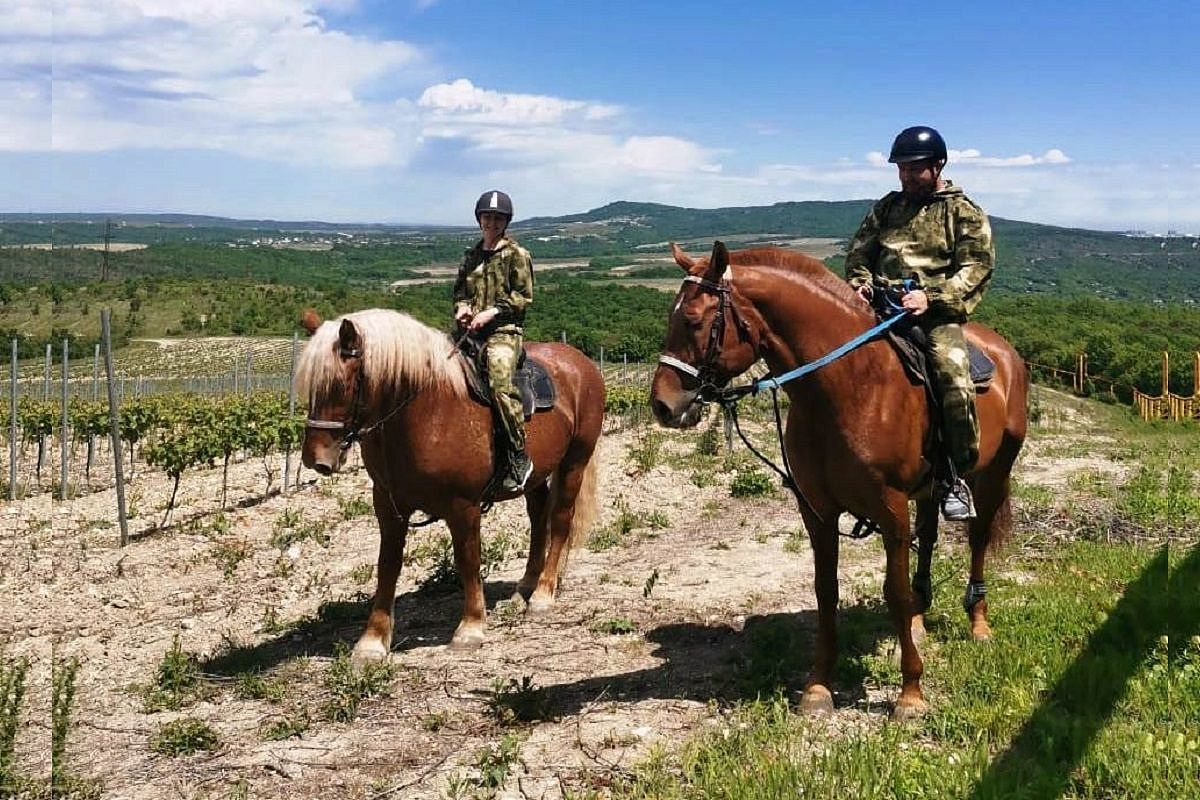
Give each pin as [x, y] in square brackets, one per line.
[951, 373]
[503, 350]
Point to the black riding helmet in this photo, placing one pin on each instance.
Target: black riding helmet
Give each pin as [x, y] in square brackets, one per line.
[495, 201]
[918, 143]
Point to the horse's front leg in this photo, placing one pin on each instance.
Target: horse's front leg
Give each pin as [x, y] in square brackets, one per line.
[376, 640]
[464, 531]
[902, 604]
[922, 582]
[817, 698]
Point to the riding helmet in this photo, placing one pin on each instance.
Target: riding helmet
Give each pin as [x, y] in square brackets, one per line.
[918, 143]
[495, 201]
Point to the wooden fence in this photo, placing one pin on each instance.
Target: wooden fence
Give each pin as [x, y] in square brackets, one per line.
[1167, 405]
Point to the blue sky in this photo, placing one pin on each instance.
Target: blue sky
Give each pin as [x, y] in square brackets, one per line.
[404, 111]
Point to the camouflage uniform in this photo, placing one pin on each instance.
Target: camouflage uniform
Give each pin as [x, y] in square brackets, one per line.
[503, 281]
[945, 241]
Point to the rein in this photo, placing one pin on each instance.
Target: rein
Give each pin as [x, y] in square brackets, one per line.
[728, 397]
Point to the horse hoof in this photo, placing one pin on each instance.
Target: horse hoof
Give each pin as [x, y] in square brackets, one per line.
[981, 632]
[365, 653]
[540, 604]
[512, 605]
[468, 639]
[816, 702]
[907, 711]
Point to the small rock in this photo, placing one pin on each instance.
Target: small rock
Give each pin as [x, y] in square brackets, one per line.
[119, 602]
[187, 624]
[642, 731]
[293, 551]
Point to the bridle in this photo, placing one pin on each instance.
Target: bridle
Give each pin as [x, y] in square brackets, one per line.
[352, 425]
[705, 373]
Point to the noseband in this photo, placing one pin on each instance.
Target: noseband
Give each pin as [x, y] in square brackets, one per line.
[352, 425]
[705, 372]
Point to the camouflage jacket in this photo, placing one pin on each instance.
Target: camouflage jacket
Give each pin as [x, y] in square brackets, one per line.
[945, 241]
[503, 282]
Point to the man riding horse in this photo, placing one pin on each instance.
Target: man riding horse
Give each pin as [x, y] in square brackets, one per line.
[931, 232]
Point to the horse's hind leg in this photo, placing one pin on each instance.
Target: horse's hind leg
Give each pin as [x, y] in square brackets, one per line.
[464, 533]
[537, 503]
[561, 514]
[376, 640]
[922, 581]
[993, 516]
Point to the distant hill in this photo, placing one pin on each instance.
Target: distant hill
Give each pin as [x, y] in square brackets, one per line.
[1031, 258]
[1035, 258]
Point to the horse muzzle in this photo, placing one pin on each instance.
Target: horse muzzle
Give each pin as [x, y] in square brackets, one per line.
[683, 410]
[323, 459]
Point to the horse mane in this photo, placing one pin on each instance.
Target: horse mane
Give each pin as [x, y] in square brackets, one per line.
[397, 350]
[797, 266]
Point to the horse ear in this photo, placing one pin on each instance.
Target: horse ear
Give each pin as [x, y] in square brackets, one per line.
[348, 338]
[310, 320]
[719, 262]
[681, 258]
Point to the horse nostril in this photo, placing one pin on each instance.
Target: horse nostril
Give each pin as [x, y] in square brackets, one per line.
[323, 468]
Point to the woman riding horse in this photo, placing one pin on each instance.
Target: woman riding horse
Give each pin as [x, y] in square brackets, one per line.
[398, 387]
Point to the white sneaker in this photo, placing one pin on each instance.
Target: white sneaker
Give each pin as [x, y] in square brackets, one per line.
[957, 505]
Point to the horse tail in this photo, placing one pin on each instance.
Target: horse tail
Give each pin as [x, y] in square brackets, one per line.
[587, 507]
[1001, 527]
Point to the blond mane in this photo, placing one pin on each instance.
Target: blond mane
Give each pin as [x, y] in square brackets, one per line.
[398, 351]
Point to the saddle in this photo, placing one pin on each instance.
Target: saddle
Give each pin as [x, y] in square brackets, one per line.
[909, 342]
[531, 378]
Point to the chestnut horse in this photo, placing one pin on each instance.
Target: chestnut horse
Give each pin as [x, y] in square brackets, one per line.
[399, 388]
[856, 428]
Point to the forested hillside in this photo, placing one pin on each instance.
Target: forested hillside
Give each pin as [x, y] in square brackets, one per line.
[1032, 258]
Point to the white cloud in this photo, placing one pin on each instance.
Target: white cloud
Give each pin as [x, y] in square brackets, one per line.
[574, 137]
[461, 102]
[264, 79]
[976, 158]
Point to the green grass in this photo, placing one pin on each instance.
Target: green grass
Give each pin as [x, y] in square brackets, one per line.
[1081, 694]
[178, 682]
[183, 737]
[348, 685]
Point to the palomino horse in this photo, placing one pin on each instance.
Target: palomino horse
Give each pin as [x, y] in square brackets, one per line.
[856, 428]
[399, 388]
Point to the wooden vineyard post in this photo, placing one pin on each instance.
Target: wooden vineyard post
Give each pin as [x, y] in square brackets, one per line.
[114, 420]
[12, 427]
[287, 455]
[62, 439]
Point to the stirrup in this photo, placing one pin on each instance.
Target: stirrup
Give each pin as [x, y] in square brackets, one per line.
[957, 503]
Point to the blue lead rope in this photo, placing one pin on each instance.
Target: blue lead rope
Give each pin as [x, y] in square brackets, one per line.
[831, 356]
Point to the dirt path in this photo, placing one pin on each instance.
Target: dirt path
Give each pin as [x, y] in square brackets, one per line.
[272, 586]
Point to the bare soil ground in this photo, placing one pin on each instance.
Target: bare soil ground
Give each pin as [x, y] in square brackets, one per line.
[236, 592]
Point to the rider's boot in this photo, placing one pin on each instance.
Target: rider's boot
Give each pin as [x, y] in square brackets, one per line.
[519, 470]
